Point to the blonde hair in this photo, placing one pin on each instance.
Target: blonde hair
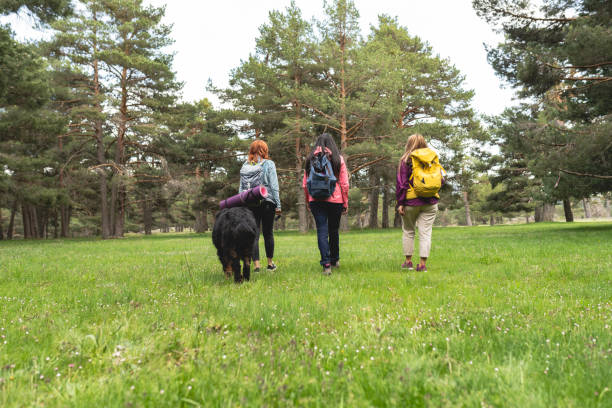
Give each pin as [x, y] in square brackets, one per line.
[258, 148]
[415, 141]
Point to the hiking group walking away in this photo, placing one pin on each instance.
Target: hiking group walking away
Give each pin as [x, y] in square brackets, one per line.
[326, 185]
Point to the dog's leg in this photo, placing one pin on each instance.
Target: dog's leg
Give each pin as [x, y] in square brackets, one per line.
[246, 268]
[227, 266]
[236, 269]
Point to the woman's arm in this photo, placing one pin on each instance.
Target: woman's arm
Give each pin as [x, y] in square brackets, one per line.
[305, 187]
[344, 183]
[402, 183]
[272, 181]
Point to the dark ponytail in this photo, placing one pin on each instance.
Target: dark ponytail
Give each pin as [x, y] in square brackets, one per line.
[326, 141]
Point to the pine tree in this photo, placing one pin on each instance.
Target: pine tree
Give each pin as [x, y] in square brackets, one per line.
[77, 45]
[559, 53]
[270, 89]
[139, 74]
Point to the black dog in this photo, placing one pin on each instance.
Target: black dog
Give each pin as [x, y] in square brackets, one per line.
[234, 237]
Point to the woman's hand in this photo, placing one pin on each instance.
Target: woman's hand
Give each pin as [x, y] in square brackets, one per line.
[344, 210]
[278, 211]
[400, 210]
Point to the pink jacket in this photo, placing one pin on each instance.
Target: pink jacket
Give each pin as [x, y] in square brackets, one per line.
[340, 195]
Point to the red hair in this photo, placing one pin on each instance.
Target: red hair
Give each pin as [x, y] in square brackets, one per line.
[258, 148]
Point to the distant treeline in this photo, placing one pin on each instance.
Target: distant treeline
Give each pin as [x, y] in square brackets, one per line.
[95, 139]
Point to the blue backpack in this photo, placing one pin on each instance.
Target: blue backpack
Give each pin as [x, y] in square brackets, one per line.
[321, 180]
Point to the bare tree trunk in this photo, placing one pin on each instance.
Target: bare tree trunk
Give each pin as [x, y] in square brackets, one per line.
[1, 226]
[147, 216]
[606, 204]
[55, 225]
[201, 222]
[311, 222]
[492, 220]
[101, 151]
[301, 202]
[587, 208]
[102, 183]
[65, 215]
[299, 171]
[373, 196]
[466, 203]
[11, 227]
[30, 221]
[42, 221]
[567, 210]
[385, 203]
[527, 219]
[118, 190]
[546, 212]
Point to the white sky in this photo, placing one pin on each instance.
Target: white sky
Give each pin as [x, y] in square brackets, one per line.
[212, 37]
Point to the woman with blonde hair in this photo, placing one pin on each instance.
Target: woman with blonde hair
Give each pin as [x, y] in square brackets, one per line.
[418, 212]
[260, 170]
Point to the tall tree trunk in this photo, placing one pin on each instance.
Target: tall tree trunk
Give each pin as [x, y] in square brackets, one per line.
[147, 216]
[205, 220]
[200, 221]
[492, 220]
[56, 227]
[299, 171]
[118, 190]
[100, 148]
[102, 183]
[466, 203]
[606, 205]
[587, 208]
[301, 200]
[30, 221]
[545, 212]
[385, 203]
[42, 220]
[567, 210]
[374, 193]
[65, 215]
[1, 226]
[11, 227]
[444, 218]
[526, 218]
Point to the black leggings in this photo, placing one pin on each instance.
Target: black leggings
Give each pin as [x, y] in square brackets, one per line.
[264, 218]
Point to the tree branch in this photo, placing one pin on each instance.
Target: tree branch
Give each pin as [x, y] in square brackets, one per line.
[531, 18]
[586, 174]
[368, 164]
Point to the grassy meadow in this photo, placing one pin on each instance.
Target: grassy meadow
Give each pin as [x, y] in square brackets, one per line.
[507, 316]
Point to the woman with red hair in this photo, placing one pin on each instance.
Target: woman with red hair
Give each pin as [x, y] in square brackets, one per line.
[260, 170]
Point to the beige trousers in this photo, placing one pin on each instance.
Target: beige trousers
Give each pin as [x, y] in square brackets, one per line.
[421, 217]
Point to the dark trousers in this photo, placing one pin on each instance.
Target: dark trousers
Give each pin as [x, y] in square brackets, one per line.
[327, 217]
[264, 218]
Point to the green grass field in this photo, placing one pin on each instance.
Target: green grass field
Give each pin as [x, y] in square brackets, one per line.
[517, 316]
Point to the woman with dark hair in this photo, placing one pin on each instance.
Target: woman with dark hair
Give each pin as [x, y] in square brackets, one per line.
[328, 211]
[259, 169]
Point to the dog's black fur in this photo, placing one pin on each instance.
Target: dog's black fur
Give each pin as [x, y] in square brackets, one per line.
[234, 236]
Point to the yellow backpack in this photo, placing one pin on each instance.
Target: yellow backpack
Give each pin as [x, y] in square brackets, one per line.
[427, 174]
